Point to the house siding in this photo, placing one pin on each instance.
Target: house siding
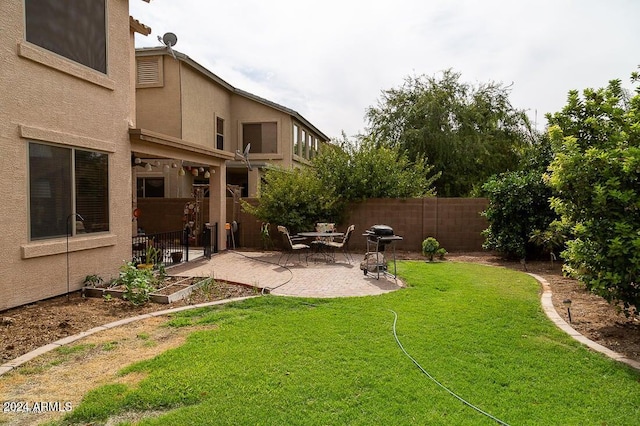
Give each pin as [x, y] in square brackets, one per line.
[50, 99]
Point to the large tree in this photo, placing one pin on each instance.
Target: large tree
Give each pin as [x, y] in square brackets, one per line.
[596, 176]
[467, 132]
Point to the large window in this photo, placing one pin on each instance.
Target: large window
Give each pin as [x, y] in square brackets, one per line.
[150, 187]
[73, 29]
[64, 182]
[263, 137]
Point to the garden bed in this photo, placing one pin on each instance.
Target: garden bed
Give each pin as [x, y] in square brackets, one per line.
[171, 290]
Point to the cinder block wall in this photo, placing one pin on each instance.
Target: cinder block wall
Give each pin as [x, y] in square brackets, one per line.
[455, 222]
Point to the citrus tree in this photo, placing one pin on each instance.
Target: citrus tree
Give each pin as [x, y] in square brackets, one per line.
[596, 178]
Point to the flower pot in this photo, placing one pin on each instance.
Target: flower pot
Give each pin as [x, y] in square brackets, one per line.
[176, 256]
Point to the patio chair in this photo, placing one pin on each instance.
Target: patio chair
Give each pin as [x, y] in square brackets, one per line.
[290, 247]
[343, 245]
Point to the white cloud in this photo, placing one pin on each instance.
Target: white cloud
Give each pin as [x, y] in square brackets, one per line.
[330, 60]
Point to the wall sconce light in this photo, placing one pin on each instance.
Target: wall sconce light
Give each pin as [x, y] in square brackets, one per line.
[567, 303]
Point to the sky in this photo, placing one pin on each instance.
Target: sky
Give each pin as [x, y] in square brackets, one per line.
[331, 60]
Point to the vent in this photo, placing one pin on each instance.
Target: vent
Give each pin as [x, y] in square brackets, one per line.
[149, 72]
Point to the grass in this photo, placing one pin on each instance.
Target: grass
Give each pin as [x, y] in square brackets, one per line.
[479, 330]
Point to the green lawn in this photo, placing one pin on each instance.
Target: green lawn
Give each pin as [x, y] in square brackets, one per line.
[478, 330]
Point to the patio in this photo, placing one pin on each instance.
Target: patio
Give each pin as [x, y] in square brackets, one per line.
[260, 269]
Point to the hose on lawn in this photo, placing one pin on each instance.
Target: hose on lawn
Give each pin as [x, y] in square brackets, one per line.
[395, 335]
[268, 289]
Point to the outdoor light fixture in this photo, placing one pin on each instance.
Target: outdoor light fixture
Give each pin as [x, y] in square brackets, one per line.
[567, 303]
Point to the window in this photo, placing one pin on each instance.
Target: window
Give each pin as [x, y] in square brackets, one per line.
[263, 137]
[219, 133]
[73, 29]
[296, 144]
[150, 187]
[303, 147]
[64, 182]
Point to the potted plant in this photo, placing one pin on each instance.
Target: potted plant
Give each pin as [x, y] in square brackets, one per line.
[151, 258]
[176, 256]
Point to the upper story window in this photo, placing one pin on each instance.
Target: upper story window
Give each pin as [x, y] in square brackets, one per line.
[296, 142]
[219, 133]
[263, 137]
[73, 29]
[64, 182]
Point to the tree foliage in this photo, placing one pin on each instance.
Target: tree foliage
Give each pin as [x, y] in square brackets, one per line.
[357, 171]
[467, 132]
[596, 177]
[343, 172]
[296, 199]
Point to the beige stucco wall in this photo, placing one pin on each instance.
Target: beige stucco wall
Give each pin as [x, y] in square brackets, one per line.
[158, 108]
[202, 101]
[48, 98]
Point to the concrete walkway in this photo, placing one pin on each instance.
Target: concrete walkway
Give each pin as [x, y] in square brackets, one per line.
[316, 278]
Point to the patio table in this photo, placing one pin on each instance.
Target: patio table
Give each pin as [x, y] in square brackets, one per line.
[318, 247]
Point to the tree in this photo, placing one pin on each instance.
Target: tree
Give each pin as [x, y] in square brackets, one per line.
[357, 171]
[343, 172]
[296, 199]
[596, 177]
[519, 206]
[468, 133]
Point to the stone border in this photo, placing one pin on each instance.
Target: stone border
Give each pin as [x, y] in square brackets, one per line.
[550, 310]
[6, 367]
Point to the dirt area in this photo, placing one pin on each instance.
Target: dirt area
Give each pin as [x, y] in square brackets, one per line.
[29, 327]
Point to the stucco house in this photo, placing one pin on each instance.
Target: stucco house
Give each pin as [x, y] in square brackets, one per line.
[180, 98]
[74, 144]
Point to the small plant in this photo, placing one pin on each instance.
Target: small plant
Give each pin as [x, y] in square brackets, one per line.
[107, 297]
[431, 247]
[138, 283]
[93, 280]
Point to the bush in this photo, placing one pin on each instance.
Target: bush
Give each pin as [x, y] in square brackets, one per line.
[518, 206]
[431, 247]
[138, 283]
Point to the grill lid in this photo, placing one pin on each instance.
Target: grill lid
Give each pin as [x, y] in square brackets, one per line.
[381, 230]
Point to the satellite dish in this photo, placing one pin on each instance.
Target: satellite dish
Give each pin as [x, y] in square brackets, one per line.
[244, 157]
[169, 39]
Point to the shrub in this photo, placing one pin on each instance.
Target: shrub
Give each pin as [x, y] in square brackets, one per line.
[138, 283]
[431, 247]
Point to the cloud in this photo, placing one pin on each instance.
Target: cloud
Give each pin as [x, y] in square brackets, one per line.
[330, 60]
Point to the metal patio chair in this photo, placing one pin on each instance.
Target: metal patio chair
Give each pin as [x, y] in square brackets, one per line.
[290, 247]
[343, 245]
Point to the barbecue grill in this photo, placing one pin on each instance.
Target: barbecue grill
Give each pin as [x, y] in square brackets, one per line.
[378, 237]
